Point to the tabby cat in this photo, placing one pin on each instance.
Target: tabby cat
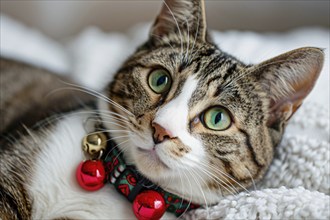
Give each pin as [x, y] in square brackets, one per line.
[192, 119]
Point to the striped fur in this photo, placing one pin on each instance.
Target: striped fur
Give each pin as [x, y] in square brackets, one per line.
[197, 163]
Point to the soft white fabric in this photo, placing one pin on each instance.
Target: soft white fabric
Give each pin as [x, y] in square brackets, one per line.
[275, 203]
[298, 182]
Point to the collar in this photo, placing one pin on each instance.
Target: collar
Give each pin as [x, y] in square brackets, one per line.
[129, 182]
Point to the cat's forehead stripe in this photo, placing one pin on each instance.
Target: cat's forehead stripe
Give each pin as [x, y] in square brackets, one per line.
[173, 116]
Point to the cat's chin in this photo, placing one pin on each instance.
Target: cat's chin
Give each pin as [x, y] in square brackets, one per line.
[150, 164]
[159, 172]
[151, 156]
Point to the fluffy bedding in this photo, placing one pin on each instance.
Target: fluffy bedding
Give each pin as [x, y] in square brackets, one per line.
[298, 182]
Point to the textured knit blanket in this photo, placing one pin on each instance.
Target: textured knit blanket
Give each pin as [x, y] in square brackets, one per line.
[297, 185]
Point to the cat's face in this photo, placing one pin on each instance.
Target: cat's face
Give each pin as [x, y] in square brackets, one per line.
[195, 120]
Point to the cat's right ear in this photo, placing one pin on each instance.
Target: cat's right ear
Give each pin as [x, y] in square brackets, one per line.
[287, 79]
[181, 17]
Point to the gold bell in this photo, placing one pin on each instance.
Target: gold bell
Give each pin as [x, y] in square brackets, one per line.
[94, 143]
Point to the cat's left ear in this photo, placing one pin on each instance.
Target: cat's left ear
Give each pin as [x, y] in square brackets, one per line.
[287, 79]
[181, 17]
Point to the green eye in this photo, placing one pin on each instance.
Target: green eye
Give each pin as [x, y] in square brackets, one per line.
[217, 118]
[159, 81]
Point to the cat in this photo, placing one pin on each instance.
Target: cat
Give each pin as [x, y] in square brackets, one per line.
[191, 118]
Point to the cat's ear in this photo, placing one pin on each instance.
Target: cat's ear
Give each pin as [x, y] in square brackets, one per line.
[181, 17]
[288, 79]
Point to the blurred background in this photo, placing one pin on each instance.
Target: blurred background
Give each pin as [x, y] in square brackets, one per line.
[62, 19]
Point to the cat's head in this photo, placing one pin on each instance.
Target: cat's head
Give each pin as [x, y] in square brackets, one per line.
[195, 120]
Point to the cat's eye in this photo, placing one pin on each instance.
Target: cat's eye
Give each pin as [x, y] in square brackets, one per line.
[159, 81]
[216, 118]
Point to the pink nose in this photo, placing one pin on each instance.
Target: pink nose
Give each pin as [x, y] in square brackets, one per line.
[160, 133]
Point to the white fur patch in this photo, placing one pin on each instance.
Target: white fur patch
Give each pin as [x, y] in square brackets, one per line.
[54, 190]
[174, 118]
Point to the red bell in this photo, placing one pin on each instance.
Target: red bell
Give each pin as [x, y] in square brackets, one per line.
[90, 175]
[149, 205]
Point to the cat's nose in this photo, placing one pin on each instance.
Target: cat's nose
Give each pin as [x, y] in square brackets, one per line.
[160, 133]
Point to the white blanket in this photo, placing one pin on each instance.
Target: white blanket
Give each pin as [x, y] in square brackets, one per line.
[298, 182]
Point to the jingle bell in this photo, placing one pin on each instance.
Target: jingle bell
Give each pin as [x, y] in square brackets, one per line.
[149, 205]
[94, 143]
[91, 175]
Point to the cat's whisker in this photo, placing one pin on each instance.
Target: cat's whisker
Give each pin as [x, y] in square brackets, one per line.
[97, 94]
[228, 176]
[180, 177]
[182, 185]
[220, 184]
[117, 137]
[253, 183]
[49, 120]
[191, 193]
[104, 98]
[188, 42]
[177, 25]
[195, 38]
[218, 180]
[93, 93]
[116, 123]
[112, 148]
[131, 115]
[193, 55]
[109, 120]
[200, 188]
[168, 181]
[216, 170]
[223, 184]
[112, 120]
[114, 113]
[122, 149]
[105, 114]
[110, 131]
[54, 118]
[211, 175]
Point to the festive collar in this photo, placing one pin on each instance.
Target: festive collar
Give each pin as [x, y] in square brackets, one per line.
[111, 167]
